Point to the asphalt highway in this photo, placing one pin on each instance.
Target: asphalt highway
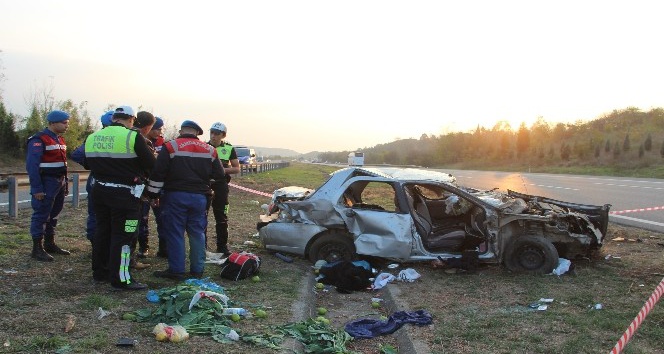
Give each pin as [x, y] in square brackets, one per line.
[626, 195]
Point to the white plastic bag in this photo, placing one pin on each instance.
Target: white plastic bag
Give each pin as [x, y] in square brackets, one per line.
[563, 266]
[382, 279]
[409, 275]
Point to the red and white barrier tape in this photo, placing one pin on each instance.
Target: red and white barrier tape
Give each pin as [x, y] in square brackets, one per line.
[636, 210]
[250, 190]
[639, 318]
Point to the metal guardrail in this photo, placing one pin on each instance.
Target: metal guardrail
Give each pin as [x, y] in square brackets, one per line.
[11, 181]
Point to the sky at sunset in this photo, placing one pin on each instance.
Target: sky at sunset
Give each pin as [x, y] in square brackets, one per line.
[337, 75]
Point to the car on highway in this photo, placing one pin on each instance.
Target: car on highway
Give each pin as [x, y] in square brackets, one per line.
[245, 155]
[408, 215]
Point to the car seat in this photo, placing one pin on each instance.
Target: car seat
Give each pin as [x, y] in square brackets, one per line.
[447, 238]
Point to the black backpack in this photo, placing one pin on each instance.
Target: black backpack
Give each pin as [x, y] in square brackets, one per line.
[240, 266]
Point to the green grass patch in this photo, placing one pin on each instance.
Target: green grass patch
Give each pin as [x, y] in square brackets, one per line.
[95, 301]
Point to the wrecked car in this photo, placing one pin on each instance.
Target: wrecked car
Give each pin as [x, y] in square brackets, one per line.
[410, 215]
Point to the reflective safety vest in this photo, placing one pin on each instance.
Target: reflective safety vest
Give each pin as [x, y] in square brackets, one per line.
[55, 152]
[224, 152]
[111, 142]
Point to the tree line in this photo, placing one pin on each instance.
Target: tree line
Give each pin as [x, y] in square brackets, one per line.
[625, 138]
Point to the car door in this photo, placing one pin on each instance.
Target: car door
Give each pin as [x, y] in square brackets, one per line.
[369, 209]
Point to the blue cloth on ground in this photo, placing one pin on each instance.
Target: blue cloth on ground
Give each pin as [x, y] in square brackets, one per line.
[369, 327]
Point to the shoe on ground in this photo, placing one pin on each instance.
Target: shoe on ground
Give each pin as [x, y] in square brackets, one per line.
[196, 275]
[41, 255]
[54, 249]
[224, 251]
[169, 275]
[99, 279]
[130, 286]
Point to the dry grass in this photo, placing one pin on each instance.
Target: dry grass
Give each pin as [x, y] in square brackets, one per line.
[485, 312]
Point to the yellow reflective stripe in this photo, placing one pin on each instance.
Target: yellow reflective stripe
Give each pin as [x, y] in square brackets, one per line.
[124, 264]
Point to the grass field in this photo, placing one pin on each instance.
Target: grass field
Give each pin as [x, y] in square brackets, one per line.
[484, 312]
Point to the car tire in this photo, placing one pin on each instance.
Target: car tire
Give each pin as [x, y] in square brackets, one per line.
[531, 254]
[332, 246]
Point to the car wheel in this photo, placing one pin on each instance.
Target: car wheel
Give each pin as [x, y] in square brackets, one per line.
[331, 247]
[531, 254]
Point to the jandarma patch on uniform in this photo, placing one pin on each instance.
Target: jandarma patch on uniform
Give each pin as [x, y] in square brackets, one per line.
[131, 225]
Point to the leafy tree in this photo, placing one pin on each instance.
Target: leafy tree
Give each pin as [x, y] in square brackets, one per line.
[641, 151]
[607, 145]
[565, 152]
[8, 137]
[616, 150]
[522, 140]
[661, 151]
[597, 150]
[626, 146]
[647, 145]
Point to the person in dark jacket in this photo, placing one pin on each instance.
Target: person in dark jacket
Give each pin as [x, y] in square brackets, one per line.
[183, 172]
[46, 164]
[143, 124]
[156, 136]
[219, 203]
[78, 156]
[119, 158]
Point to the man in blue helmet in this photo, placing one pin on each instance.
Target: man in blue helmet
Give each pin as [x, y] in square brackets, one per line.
[79, 156]
[183, 171]
[46, 164]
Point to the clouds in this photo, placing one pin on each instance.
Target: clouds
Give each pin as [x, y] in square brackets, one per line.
[349, 74]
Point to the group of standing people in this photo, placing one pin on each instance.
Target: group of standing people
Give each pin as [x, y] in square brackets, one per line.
[131, 170]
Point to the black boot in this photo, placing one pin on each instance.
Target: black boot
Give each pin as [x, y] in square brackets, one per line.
[38, 251]
[50, 246]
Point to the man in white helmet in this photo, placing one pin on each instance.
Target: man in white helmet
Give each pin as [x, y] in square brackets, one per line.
[230, 162]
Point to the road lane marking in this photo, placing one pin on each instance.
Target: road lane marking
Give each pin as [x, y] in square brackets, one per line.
[553, 187]
[638, 220]
[628, 186]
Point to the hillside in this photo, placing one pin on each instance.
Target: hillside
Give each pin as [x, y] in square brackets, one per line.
[269, 152]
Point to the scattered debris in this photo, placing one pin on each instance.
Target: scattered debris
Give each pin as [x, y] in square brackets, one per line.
[126, 342]
[283, 257]
[539, 307]
[69, 323]
[101, 313]
[610, 256]
[165, 333]
[382, 279]
[542, 304]
[596, 306]
[370, 328]
[563, 266]
[409, 275]
[10, 271]
[214, 258]
[618, 239]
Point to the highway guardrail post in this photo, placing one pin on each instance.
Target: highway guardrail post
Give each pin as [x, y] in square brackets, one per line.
[75, 179]
[12, 184]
